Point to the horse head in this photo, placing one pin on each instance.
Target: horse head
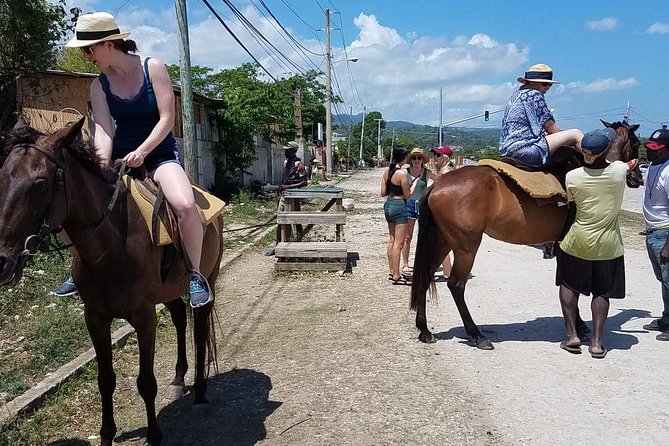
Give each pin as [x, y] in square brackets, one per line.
[33, 200]
[625, 147]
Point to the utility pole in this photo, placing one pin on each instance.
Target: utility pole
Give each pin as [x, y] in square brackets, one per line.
[379, 153]
[350, 135]
[328, 97]
[362, 134]
[441, 109]
[189, 141]
[627, 112]
[298, 123]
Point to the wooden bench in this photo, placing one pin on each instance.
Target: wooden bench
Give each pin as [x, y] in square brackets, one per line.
[332, 256]
[317, 255]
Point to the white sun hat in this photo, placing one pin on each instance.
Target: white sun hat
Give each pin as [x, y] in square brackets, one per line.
[93, 28]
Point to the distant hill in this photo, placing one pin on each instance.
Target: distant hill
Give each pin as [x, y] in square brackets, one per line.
[465, 140]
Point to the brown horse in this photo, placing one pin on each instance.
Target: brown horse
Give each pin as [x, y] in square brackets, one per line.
[48, 182]
[471, 201]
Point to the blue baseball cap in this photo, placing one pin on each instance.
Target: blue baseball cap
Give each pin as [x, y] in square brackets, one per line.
[597, 141]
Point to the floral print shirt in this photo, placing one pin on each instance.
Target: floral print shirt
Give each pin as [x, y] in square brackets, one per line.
[522, 136]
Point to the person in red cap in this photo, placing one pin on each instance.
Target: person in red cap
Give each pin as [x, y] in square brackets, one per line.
[442, 161]
[590, 256]
[656, 216]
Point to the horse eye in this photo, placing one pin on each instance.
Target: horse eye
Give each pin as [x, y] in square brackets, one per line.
[40, 185]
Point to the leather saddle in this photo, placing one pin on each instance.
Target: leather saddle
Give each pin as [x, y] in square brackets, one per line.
[159, 217]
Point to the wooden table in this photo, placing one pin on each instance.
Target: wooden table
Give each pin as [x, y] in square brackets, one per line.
[324, 255]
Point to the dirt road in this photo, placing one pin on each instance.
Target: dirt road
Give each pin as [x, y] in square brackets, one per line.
[332, 359]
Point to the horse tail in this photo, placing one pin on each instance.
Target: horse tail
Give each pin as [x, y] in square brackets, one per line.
[426, 257]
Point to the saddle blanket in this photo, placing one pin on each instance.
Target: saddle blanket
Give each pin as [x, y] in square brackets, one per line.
[209, 207]
[537, 184]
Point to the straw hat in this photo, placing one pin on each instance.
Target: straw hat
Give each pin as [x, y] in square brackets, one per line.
[418, 150]
[538, 73]
[94, 28]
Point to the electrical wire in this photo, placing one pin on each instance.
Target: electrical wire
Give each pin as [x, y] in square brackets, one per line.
[263, 41]
[213, 11]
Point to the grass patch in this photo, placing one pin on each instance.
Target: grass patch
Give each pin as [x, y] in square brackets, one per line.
[247, 209]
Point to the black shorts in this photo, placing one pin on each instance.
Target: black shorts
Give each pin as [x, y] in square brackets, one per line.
[604, 278]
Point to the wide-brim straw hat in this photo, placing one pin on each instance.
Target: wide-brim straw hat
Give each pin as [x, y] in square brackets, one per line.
[418, 150]
[538, 73]
[94, 28]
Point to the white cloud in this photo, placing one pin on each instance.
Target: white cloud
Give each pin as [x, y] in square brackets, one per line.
[603, 85]
[372, 33]
[605, 24]
[658, 28]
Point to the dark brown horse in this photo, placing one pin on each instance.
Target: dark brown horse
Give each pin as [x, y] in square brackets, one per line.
[471, 201]
[51, 181]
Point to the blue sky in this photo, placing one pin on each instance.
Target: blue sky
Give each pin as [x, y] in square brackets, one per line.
[606, 54]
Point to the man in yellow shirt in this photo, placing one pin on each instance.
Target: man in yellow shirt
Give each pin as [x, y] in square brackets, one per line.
[590, 257]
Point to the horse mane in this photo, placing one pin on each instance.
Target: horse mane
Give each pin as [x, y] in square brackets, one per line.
[83, 152]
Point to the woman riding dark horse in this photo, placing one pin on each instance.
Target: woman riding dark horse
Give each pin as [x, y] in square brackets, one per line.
[49, 182]
[474, 200]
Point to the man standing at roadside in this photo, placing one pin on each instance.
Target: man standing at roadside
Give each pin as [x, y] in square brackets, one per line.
[656, 215]
[590, 257]
[294, 175]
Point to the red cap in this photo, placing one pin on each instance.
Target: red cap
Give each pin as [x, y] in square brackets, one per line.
[443, 150]
[658, 140]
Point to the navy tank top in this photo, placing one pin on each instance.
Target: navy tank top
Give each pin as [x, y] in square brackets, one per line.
[135, 119]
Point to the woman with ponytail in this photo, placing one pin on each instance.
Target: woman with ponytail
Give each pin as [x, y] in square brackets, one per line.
[395, 186]
[133, 110]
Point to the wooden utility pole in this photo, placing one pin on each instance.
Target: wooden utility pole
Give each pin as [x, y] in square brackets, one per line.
[328, 97]
[189, 141]
[298, 123]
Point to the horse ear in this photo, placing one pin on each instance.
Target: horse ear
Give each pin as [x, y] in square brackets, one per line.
[633, 128]
[67, 135]
[20, 123]
[606, 124]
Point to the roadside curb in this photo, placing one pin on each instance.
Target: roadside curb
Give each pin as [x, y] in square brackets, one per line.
[34, 397]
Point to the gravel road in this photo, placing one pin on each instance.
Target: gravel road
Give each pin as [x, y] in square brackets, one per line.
[333, 359]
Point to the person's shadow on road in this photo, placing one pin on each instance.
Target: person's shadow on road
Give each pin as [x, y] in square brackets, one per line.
[239, 404]
[551, 329]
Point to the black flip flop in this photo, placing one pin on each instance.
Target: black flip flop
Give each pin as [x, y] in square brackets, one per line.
[600, 355]
[570, 348]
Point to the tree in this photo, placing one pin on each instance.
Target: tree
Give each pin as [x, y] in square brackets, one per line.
[29, 31]
[72, 59]
[248, 107]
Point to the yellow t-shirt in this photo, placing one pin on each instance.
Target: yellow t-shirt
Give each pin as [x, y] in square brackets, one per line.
[598, 195]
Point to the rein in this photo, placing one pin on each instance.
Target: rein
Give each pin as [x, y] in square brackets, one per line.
[42, 236]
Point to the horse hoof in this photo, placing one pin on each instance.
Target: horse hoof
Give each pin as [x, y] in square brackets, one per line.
[484, 344]
[427, 338]
[201, 410]
[175, 392]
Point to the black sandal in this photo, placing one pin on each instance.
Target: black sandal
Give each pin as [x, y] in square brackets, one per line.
[401, 281]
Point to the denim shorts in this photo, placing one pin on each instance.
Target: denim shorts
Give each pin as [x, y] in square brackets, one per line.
[395, 211]
[412, 209]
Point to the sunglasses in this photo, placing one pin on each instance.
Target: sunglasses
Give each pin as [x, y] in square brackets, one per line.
[414, 158]
[89, 49]
[438, 155]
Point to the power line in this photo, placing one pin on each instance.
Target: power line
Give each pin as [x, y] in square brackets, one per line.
[255, 32]
[237, 39]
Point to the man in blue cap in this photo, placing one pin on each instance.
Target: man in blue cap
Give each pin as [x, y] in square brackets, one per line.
[590, 257]
[656, 215]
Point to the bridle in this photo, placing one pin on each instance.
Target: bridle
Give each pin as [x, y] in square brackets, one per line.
[42, 236]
